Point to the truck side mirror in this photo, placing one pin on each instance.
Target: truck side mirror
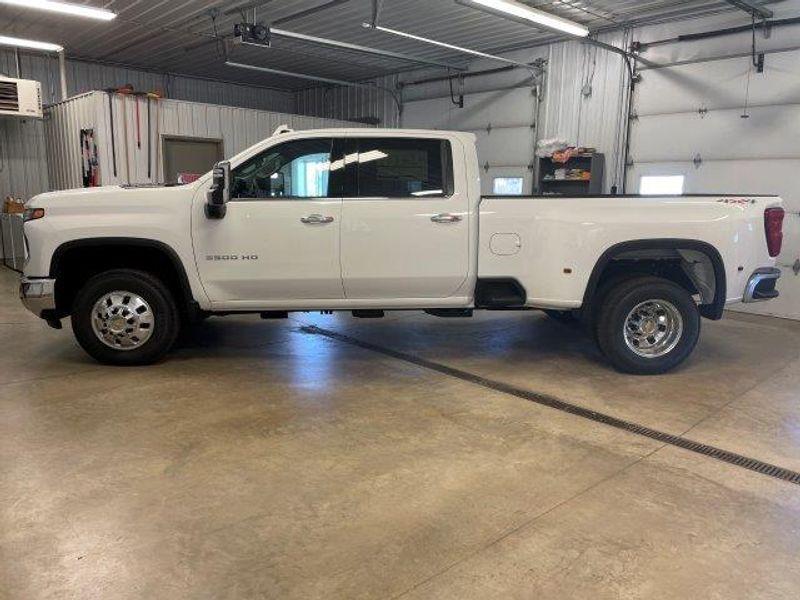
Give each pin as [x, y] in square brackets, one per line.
[220, 192]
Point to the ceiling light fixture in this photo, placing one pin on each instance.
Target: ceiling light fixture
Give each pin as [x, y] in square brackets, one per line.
[517, 11]
[425, 40]
[34, 45]
[64, 8]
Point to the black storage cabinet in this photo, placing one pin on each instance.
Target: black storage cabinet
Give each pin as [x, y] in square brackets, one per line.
[548, 185]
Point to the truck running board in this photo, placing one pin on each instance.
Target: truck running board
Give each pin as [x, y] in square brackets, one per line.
[368, 314]
[450, 313]
[274, 314]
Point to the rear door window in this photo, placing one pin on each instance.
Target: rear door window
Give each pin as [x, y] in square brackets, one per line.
[404, 168]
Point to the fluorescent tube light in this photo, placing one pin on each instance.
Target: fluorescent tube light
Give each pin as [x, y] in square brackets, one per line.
[64, 8]
[20, 43]
[419, 38]
[523, 12]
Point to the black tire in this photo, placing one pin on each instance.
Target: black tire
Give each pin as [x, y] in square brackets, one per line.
[565, 317]
[166, 317]
[621, 300]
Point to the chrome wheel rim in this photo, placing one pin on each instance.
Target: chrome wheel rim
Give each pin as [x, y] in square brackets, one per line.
[653, 328]
[122, 320]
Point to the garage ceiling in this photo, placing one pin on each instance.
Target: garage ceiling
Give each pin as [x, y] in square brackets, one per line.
[176, 36]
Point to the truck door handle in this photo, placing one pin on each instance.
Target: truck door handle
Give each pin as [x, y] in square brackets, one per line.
[445, 218]
[316, 219]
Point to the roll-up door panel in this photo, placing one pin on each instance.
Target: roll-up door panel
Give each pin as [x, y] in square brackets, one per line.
[719, 85]
[506, 148]
[770, 132]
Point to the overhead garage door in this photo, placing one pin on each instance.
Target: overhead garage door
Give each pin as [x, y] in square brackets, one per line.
[503, 122]
[692, 121]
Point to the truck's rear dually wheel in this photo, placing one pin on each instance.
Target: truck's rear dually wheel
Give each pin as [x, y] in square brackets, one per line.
[647, 325]
[125, 317]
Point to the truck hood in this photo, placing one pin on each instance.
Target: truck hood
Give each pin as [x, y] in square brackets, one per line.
[113, 196]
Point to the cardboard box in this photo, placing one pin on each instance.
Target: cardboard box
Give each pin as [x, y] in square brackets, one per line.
[13, 206]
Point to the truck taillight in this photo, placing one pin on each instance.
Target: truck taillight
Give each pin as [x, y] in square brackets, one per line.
[773, 226]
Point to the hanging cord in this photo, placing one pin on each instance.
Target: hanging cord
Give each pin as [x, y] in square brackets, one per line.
[758, 58]
[456, 99]
[587, 78]
[3, 149]
[624, 117]
[757, 63]
[746, 112]
[219, 43]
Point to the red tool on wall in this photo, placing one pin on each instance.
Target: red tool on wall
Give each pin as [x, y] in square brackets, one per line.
[156, 96]
[138, 126]
[125, 90]
[128, 90]
[110, 92]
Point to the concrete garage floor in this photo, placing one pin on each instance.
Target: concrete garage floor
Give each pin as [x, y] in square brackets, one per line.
[261, 460]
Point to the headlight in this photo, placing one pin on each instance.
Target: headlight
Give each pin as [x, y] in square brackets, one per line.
[31, 214]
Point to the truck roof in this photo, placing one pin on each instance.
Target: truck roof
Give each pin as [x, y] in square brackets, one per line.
[285, 130]
[388, 131]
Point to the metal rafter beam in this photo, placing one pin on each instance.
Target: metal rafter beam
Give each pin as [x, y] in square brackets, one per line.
[246, 7]
[309, 11]
[752, 7]
[319, 79]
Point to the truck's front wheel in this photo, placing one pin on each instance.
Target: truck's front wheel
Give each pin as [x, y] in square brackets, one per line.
[647, 325]
[125, 317]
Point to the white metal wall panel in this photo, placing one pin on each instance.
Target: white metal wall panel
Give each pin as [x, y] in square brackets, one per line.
[586, 100]
[22, 157]
[428, 114]
[62, 134]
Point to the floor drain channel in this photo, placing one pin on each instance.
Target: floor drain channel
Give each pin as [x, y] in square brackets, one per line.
[732, 458]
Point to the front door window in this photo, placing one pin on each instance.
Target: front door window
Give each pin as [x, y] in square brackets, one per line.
[294, 170]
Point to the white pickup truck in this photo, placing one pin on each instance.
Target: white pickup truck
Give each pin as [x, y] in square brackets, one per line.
[385, 219]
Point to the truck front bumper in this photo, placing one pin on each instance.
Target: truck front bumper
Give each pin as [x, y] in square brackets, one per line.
[38, 295]
[761, 285]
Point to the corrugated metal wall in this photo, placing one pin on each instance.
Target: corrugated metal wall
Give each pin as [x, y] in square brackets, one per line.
[23, 170]
[237, 128]
[586, 100]
[84, 77]
[23, 167]
[62, 126]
